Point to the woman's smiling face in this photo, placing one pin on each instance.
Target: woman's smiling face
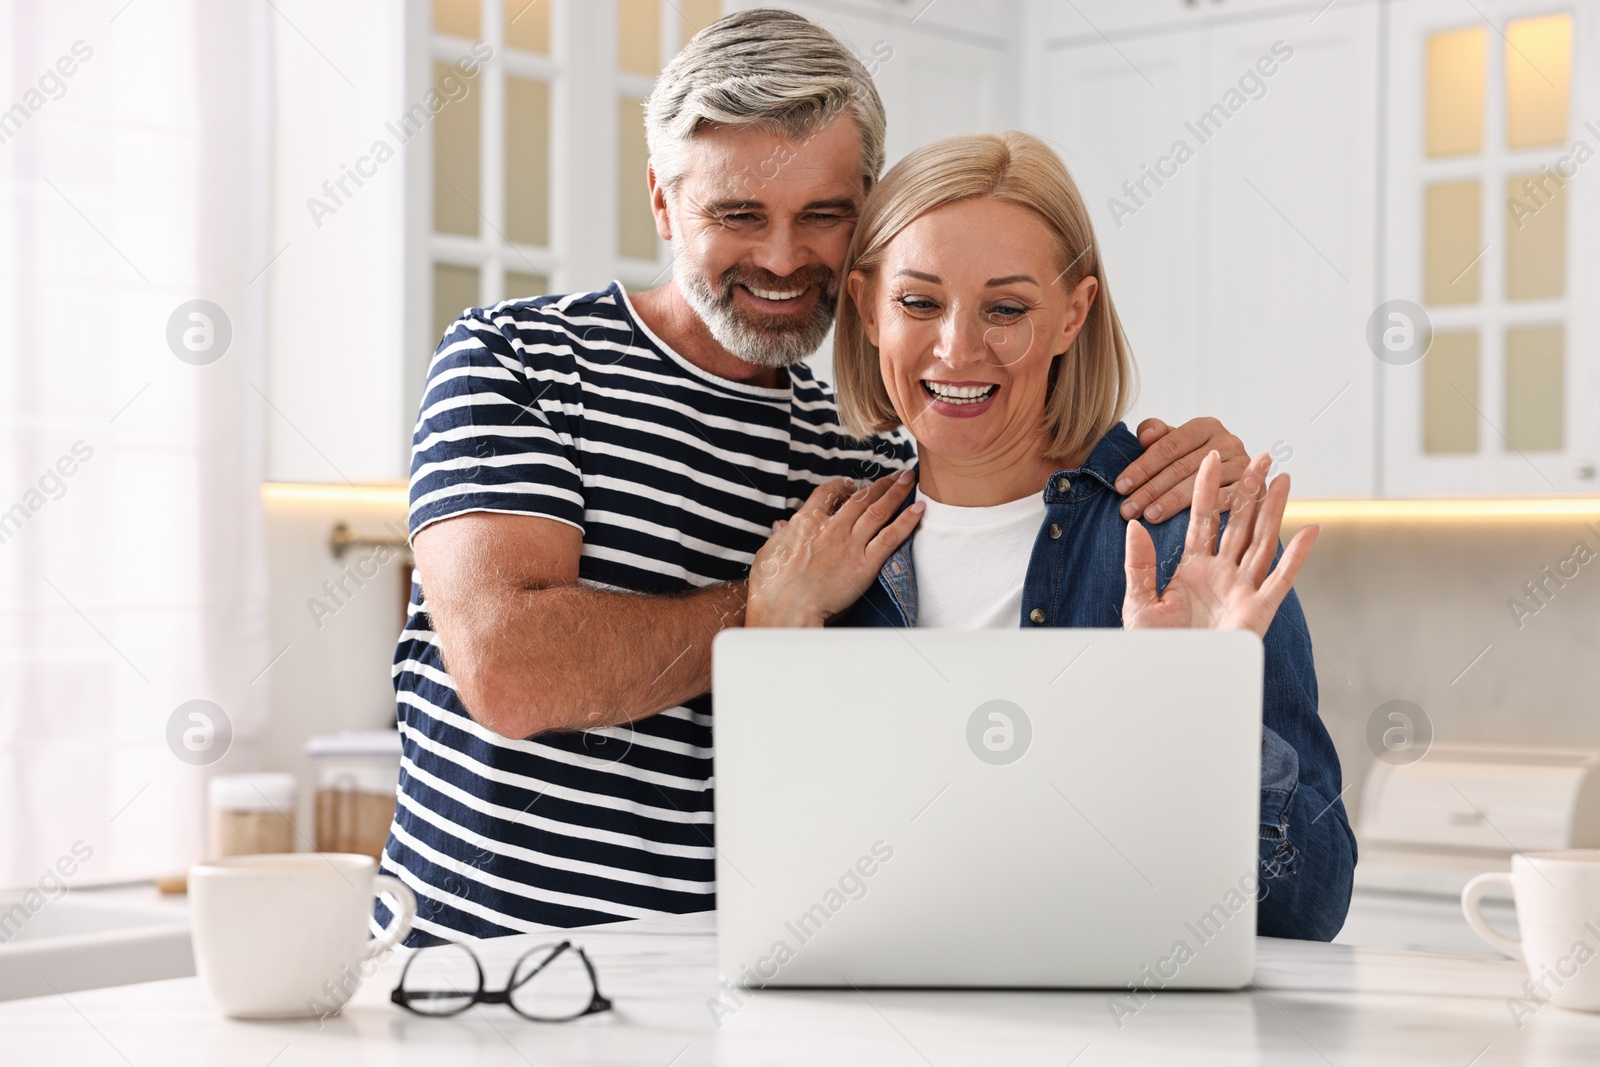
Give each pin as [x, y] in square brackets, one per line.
[968, 312]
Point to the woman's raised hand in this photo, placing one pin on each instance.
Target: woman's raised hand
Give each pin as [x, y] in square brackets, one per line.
[820, 562]
[1226, 586]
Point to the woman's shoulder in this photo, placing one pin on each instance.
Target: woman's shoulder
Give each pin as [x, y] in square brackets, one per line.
[1117, 448]
[1096, 510]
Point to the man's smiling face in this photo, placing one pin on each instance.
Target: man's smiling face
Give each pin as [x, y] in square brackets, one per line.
[760, 226]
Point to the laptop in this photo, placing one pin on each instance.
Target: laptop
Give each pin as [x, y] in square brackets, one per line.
[1062, 808]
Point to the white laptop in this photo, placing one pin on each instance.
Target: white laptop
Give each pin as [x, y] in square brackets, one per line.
[1044, 808]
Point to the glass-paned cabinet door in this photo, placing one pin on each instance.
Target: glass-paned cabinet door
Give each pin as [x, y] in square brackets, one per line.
[530, 126]
[648, 34]
[485, 120]
[1493, 385]
[490, 123]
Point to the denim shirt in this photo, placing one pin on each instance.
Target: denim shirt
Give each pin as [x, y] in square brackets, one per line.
[1075, 577]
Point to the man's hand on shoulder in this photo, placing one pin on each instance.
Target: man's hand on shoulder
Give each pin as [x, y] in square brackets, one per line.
[1160, 483]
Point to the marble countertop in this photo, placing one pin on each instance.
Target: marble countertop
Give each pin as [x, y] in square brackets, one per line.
[1432, 872]
[1310, 1004]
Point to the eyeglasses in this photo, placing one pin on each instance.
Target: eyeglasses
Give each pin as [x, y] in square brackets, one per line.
[552, 983]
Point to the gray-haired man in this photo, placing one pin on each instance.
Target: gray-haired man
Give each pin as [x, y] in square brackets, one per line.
[591, 478]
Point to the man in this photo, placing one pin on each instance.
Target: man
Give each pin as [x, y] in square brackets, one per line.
[592, 476]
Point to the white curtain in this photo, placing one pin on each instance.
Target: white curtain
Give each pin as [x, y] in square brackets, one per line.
[133, 163]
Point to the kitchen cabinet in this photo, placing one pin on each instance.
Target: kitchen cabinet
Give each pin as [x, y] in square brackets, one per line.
[1113, 111]
[1420, 151]
[1492, 126]
[1228, 167]
[1254, 226]
[989, 22]
[940, 68]
[331, 279]
[1090, 18]
[1287, 241]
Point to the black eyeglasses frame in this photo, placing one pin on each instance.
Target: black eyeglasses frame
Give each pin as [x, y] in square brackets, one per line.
[597, 1001]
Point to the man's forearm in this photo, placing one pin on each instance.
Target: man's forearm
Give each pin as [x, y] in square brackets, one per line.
[577, 658]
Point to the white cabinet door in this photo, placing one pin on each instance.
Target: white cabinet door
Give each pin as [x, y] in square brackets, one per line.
[1504, 402]
[1114, 112]
[935, 87]
[1288, 239]
[1085, 19]
[937, 78]
[337, 357]
[1230, 171]
[995, 20]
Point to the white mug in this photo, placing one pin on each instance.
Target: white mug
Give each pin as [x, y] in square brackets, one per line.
[285, 935]
[1558, 914]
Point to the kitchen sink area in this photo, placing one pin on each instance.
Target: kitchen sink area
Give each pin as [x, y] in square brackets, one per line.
[90, 939]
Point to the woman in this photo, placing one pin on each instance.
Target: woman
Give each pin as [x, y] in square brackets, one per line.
[976, 314]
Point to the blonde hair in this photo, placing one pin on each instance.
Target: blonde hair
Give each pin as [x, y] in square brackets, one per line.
[766, 68]
[1093, 381]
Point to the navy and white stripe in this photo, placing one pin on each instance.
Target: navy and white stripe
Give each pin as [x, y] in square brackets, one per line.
[568, 408]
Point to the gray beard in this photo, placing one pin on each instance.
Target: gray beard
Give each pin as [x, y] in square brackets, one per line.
[761, 344]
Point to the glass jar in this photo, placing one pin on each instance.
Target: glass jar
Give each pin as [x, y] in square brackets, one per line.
[252, 814]
[357, 773]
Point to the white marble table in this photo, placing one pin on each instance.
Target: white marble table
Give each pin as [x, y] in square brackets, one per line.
[1310, 1004]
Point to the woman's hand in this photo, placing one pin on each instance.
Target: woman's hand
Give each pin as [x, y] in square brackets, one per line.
[1226, 586]
[820, 562]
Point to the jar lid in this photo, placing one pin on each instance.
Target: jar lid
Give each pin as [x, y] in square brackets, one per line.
[267, 791]
[356, 743]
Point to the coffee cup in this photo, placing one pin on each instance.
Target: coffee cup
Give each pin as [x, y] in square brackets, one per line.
[1557, 896]
[285, 935]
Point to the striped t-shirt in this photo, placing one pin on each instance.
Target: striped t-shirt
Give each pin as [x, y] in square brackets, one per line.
[569, 408]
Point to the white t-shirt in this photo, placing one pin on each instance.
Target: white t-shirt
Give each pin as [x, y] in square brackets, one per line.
[971, 563]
